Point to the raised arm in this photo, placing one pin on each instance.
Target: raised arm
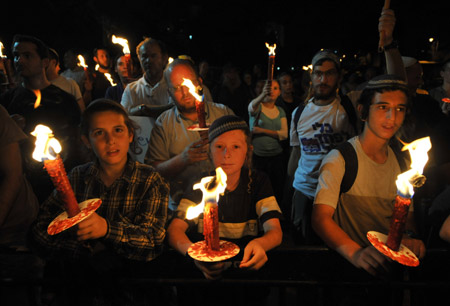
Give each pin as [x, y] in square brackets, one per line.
[394, 63]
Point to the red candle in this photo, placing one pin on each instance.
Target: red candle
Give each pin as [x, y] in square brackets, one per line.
[211, 225]
[57, 172]
[200, 108]
[398, 222]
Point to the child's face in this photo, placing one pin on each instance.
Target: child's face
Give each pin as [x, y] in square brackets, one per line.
[229, 151]
[109, 138]
[386, 114]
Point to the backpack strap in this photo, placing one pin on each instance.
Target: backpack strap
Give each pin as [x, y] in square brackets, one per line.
[297, 114]
[351, 165]
[350, 110]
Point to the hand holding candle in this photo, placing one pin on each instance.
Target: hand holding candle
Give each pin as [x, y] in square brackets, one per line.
[405, 182]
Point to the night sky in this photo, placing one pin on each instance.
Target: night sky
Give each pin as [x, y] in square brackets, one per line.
[229, 30]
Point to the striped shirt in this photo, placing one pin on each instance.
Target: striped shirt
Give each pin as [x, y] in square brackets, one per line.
[134, 206]
[241, 214]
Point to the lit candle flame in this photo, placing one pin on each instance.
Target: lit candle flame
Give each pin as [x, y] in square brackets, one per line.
[418, 151]
[271, 49]
[82, 62]
[1, 50]
[192, 89]
[123, 42]
[213, 193]
[46, 146]
[37, 92]
[110, 79]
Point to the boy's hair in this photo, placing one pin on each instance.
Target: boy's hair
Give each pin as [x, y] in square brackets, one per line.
[380, 84]
[103, 105]
[41, 47]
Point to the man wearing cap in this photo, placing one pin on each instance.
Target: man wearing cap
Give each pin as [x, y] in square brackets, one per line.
[342, 220]
[178, 153]
[326, 120]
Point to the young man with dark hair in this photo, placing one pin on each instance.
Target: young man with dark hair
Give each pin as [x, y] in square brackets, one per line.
[342, 220]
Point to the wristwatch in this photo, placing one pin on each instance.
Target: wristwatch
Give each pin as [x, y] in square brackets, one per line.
[141, 107]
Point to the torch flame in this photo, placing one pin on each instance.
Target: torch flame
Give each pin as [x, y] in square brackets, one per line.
[46, 146]
[37, 92]
[192, 89]
[1, 50]
[82, 61]
[418, 151]
[110, 79]
[271, 49]
[214, 193]
[123, 42]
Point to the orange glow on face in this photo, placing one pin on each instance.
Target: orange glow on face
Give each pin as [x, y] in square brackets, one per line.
[213, 193]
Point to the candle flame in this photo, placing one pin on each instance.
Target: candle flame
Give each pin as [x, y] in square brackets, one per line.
[419, 157]
[192, 89]
[37, 92]
[1, 50]
[110, 79]
[123, 42]
[271, 49]
[213, 193]
[82, 62]
[46, 146]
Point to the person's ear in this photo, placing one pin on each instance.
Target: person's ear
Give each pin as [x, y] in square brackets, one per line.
[86, 141]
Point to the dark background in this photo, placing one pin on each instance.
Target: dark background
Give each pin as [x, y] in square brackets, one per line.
[229, 30]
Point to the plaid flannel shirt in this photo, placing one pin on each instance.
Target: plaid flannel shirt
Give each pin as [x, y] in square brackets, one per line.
[134, 206]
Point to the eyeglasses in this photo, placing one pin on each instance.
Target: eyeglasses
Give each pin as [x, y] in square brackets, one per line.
[329, 73]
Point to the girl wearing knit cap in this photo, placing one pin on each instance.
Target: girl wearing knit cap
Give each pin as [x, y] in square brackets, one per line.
[248, 211]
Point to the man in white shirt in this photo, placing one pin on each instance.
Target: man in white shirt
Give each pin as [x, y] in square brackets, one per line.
[66, 84]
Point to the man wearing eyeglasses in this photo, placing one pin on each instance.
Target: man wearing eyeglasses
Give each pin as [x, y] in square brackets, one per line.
[177, 151]
[326, 120]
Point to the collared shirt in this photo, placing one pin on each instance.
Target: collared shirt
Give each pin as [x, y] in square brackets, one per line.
[141, 92]
[134, 206]
[170, 136]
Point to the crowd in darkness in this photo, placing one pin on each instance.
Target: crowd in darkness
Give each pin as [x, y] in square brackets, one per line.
[275, 140]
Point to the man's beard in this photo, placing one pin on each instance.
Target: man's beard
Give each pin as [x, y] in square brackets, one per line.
[324, 95]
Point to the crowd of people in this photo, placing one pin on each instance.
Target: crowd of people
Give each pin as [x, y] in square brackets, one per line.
[279, 143]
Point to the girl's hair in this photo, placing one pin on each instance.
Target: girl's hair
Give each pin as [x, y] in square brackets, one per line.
[104, 105]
